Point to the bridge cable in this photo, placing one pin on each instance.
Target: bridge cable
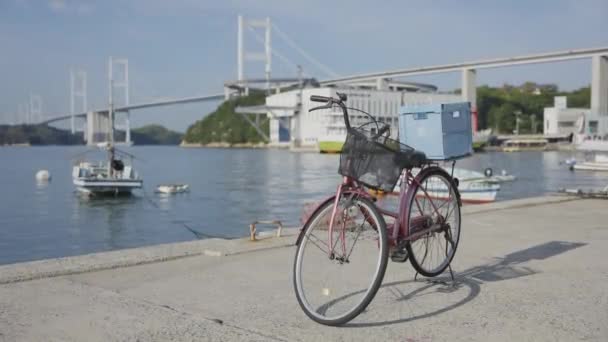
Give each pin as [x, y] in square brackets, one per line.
[311, 59]
[275, 53]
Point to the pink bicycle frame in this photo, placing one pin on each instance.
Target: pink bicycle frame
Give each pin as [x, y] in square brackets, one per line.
[400, 230]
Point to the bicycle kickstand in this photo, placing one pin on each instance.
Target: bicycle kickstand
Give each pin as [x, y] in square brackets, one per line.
[433, 281]
[452, 274]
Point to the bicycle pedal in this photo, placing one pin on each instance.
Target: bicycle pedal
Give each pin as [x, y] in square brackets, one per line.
[399, 256]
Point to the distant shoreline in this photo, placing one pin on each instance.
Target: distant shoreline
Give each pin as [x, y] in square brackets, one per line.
[16, 145]
[224, 145]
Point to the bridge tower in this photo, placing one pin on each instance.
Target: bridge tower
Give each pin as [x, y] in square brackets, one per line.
[35, 108]
[243, 55]
[122, 81]
[78, 91]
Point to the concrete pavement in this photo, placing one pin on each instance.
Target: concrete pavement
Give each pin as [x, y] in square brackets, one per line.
[526, 270]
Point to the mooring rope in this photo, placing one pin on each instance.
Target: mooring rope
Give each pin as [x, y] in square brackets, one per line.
[198, 234]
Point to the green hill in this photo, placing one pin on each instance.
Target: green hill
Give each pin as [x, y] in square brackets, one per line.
[37, 135]
[152, 135]
[47, 135]
[225, 126]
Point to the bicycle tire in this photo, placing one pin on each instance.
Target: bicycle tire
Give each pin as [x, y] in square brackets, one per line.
[315, 221]
[417, 260]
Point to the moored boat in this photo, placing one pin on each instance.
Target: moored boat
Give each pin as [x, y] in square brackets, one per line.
[112, 177]
[599, 163]
[474, 187]
[519, 145]
[172, 188]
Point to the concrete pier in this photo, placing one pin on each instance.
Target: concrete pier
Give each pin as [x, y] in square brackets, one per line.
[531, 269]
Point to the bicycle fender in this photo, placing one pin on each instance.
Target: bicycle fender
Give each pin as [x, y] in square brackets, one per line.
[303, 229]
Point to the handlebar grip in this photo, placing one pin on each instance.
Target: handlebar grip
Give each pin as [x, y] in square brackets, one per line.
[317, 98]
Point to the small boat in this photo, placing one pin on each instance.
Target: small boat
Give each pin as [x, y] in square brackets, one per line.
[172, 188]
[591, 193]
[489, 175]
[112, 177]
[600, 163]
[519, 145]
[586, 140]
[474, 187]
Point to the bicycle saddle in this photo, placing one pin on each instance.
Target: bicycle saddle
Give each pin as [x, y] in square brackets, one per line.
[410, 159]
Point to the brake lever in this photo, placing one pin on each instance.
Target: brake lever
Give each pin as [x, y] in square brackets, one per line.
[320, 107]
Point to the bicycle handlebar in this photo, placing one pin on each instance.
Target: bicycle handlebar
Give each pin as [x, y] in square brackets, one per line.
[330, 101]
[317, 98]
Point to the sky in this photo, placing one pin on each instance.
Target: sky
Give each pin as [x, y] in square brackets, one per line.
[183, 48]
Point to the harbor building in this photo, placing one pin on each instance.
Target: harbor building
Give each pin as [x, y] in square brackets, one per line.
[292, 125]
[561, 120]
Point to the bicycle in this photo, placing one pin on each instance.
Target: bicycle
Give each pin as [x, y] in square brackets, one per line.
[426, 226]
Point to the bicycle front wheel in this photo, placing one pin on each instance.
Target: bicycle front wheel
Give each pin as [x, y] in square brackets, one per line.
[434, 203]
[335, 284]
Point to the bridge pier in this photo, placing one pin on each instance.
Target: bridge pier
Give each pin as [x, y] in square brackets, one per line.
[97, 128]
[381, 84]
[469, 92]
[599, 92]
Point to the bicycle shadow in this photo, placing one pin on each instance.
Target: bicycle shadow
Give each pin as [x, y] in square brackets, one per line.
[505, 268]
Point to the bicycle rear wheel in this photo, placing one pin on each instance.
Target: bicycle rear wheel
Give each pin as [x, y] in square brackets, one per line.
[334, 287]
[434, 203]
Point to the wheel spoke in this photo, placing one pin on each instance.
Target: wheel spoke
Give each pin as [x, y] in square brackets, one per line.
[318, 241]
[432, 253]
[333, 290]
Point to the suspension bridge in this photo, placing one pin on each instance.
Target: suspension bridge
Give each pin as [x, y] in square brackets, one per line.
[96, 127]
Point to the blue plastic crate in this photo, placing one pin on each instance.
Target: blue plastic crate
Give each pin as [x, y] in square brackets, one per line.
[441, 131]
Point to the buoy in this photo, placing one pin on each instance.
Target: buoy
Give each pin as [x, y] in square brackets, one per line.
[43, 176]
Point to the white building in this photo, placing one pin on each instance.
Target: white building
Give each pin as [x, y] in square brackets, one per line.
[324, 129]
[561, 120]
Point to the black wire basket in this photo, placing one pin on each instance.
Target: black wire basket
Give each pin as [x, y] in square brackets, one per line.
[371, 161]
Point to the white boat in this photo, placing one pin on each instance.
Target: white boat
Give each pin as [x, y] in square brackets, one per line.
[600, 163]
[586, 141]
[474, 187]
[520, 145]
[113, 176]
[172, 188]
